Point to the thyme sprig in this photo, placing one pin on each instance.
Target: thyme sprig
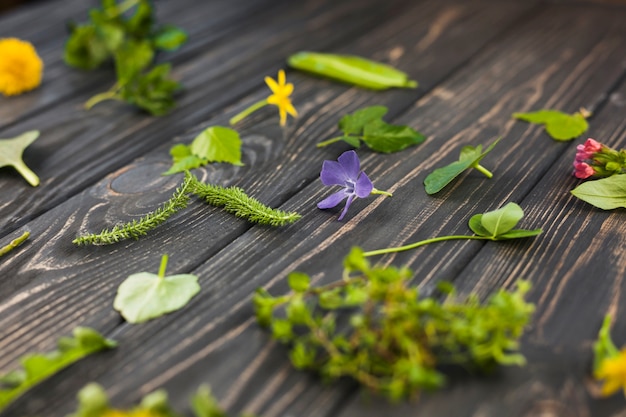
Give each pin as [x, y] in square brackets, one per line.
[373, 326]
[232, 199]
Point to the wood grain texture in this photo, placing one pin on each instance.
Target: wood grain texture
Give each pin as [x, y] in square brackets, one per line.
[538, 57]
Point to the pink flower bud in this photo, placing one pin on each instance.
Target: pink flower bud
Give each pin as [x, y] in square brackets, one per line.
[583, 170]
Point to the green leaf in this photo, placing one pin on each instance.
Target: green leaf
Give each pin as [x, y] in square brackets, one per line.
[519, 234]
[560, 126]
[92, 401]
[11, 151]
[218, 144]
[153, 91]
[204, 404]
[500, 221]
[131, 59]
[352, 70]
[475, 223]
[170, 38]
[469, 157]
[145, 296]
[84, 49]
[37, 367]
[141, 22]
[382, 137]
[353, 124]
[185, 164]
[109, 31]
[298, 281]
[607, 193]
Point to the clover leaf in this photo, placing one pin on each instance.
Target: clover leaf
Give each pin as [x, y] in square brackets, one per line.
[560, 126]
[469, 157]
[366, 125]
[11, 151]
[499, 224]
[607, 193]
[145, 296]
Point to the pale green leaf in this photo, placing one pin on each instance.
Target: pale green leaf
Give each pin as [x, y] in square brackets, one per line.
[185, 164]
[11, 151]
[131, 58]
[92, 401]
[145, 296]
[500, 221]
[383, 137]
[37, 367]
[170, 38]
[218, 144]
[607, 193]
[559, 125]
[353, 124]
[475, 223]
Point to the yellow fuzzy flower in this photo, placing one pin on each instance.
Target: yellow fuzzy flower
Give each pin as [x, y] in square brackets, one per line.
[280, 98]
[613, 371]
[20, 67]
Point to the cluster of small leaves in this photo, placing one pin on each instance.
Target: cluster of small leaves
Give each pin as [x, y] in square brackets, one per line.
[127, 33]
[214, 144]
[367, 125]
[469, 157]
[232, 199]
[37, 367]
[374, 327]
[560, 126]
[94, 402]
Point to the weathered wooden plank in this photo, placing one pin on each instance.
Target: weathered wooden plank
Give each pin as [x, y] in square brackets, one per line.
[110, 135]
[473, 21]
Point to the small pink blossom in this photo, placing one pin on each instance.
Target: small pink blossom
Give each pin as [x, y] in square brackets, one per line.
[587, 150]
[583, 170]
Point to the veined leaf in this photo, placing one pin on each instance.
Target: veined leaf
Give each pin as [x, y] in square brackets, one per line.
[499, 224]
[11, 151]
[218, 144]
[353, 124]
[560, 126]
[382, 137]
[607, 193]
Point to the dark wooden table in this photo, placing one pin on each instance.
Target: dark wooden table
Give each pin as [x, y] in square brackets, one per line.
[477, 62]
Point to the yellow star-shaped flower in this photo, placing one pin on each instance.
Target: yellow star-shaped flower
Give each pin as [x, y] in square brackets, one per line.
[613, 371]
[280, 97]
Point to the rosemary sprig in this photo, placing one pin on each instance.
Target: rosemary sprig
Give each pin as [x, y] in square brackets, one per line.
[141, 227]
[235, 201]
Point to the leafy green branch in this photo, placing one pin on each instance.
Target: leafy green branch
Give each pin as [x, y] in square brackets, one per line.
[37, 367]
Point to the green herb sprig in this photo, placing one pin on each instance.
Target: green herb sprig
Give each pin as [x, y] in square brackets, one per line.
[560, 126]
[232, 199]
[127, 33]
[395, 340]
[492, 225]
[37, 367]
[366, 125]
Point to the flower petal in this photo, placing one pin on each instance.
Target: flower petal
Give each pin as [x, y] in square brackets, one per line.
[349, 160]
[363, 186]
[283, 116]
[273, 99]
[290, 109]
[271, 84]
[332, 200]
[281, 77]
[287, 89]
[345, 209]
[333, 173]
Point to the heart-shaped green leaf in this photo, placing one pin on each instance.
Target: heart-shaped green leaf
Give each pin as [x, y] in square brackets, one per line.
[500, 221]
[560, 126]
[11, 151]
[145, 296]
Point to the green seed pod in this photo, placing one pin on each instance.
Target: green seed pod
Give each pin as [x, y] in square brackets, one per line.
[352, 70]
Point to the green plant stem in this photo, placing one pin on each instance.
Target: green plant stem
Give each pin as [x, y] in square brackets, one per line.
[163, 266]
[14, 243]
[27, 173]
[329, 142]
[483, 170]
[240, 116]
[424, 242]
[381, 192]
[112, 94]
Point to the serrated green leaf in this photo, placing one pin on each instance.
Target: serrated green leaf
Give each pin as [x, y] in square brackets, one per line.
[37, 367]
[84, 49]
[218, 144]
[607, 193]
[145, 296]
[11, 152]
[352, 70]
[559, 125]
[469, 157]
[153, 91]
[498, 222]
[132, 58]
[353, 124]
[180, 151]
[170, 38]
[185, 164]
[383, 137]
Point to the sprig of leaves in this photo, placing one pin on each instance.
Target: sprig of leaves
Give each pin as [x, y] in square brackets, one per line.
[492, 225]
[37, 367]
[11, 152]
[395, 340]
[94, 402]
[214, 144]
[131, 40]
[606, 193]
[232, 199]
[560, 126]
[469, 157]
[366, 125]
[144, 296]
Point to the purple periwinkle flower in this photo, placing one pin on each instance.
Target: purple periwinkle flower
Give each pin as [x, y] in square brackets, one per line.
[346, 172]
